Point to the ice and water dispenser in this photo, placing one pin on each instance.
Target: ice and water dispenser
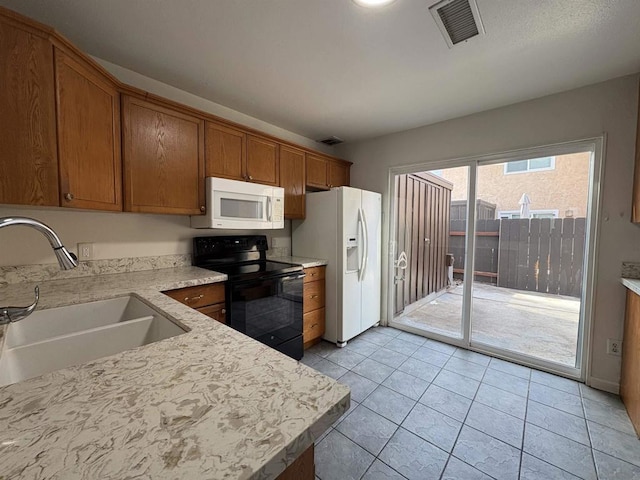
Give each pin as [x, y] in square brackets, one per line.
[353, 257]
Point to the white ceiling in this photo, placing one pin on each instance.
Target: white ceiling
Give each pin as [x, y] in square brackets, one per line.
[331, 67]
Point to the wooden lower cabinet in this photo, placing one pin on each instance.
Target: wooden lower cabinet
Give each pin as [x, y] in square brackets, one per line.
[630, 377]
[313, 305]
[303, 468]
[207, 299]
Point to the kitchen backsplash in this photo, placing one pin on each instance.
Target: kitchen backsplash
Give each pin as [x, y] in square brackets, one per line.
[630, 269]
[51, 271]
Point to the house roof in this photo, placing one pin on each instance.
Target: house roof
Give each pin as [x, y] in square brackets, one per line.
[332, 67]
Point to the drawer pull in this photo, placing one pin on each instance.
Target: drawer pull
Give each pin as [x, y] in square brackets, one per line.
[313, 274]
[313, 296]
[194, 299]
[314, 326]
[223, 311]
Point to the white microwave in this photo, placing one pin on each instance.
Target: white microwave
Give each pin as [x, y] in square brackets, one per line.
[241, 205]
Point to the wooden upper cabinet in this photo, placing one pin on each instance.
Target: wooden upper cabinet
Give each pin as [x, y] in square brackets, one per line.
[292, 179]
[262, 161]
[225, 152]
[317, 172]
[28, 158]
[88, 117]
[338, 174]
[163, 159]
[635, 210]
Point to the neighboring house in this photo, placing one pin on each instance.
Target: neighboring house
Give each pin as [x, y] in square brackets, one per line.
[557, 186]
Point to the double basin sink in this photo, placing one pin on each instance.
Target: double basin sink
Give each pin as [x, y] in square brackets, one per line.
[49, 340]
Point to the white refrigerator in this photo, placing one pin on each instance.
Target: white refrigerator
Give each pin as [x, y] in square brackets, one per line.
[343, 226]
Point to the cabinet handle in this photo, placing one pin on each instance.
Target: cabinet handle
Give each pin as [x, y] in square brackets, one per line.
[68, 197]
[313, 296]
[312, 274]
[314, 326]
[194, 299]
[202, 208]
[223, 311]
[250, 177]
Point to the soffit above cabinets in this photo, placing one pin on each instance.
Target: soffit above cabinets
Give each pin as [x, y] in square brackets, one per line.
[330, 67]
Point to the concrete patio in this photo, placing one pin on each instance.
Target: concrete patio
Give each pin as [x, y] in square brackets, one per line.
[530, 323]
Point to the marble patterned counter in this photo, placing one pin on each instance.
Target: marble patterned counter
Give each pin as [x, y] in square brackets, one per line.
[210, 403]
[632, 284]
[305, 262]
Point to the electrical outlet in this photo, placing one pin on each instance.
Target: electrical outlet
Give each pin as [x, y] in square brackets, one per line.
[614, 347]
[85, 251]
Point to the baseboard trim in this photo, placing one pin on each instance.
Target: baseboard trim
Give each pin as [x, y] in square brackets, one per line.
[607, 386]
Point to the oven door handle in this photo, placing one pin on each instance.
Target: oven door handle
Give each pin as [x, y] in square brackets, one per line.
[269, 209]
[285, 276]
[292, 277]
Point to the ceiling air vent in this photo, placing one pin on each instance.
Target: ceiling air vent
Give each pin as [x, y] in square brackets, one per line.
[331, 141]
[458, 20]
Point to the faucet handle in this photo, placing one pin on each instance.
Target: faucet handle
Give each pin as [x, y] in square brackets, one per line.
[14, 314]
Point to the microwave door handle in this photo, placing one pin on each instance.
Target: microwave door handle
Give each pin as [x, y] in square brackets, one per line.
[269, 209]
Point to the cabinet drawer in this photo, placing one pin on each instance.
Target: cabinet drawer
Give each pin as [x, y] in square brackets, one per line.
[200, 296]
[314, 274]
[217, 312]
[313, 325]
[313, 296]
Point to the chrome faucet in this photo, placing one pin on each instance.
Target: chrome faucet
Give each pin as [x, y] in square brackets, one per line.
[66, 259]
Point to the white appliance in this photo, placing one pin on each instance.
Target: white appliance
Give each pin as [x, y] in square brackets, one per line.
[241, 205]
[343, 226]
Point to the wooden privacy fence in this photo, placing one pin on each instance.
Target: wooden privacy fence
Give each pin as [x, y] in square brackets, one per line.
[540, 255]
[422, 232]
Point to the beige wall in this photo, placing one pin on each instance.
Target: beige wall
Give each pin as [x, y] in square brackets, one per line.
[563, 188]
[119, 235]
[608, 107]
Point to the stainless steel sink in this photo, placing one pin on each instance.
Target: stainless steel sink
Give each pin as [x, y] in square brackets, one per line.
[49, 340]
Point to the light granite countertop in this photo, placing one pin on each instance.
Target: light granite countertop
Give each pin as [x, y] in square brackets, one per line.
[305, 262]
[632, 284]
[210, 403]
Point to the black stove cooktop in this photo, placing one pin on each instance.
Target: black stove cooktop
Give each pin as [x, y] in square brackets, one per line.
[241, 257]
[253, 270]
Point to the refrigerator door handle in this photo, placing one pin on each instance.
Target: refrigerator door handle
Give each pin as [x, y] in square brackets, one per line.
[365, 241]
[361, 258]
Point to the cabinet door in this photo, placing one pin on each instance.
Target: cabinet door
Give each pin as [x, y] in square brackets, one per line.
[88, 137]
[28, 157]
[635, 210]
[338, 174]
[163, 159]
[225, 152]
[292, 179]
[317, 174]
[262, 161]
[217, 312]
[630, 372]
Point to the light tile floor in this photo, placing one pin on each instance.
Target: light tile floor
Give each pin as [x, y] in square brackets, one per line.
[421, 409]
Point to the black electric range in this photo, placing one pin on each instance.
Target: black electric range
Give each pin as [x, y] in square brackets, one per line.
[263, 297]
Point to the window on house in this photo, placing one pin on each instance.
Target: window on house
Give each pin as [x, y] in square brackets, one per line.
[531, 165]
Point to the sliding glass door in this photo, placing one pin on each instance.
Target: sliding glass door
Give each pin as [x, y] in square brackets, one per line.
[509, 276]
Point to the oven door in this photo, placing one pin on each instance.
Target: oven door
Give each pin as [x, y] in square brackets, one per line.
[269, 309]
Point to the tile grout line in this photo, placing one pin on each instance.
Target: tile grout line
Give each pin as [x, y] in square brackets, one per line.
[524, 426]
[462, 426]
[586, 424]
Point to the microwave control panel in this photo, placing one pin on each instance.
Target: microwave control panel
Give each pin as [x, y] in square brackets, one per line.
[278, 210]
